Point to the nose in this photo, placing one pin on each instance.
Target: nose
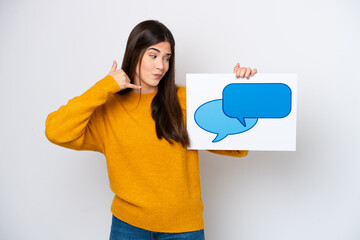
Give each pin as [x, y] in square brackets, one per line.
[160, 64]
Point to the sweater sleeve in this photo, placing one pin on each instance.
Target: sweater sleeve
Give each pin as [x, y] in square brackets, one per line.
[76, 124]
[231, 153]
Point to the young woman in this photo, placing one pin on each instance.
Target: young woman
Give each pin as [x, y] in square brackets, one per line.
[135, 116]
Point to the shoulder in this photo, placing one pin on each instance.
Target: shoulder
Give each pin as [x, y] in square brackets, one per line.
[181, 93]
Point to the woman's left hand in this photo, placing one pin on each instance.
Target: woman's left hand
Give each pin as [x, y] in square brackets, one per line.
[244, 71]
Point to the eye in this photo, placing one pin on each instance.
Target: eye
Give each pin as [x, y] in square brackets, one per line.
[152, 56]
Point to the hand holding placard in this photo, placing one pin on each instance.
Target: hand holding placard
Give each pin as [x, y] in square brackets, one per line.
[235, 114]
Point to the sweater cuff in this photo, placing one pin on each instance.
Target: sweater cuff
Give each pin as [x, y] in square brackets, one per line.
[109, 84]
[231, 153]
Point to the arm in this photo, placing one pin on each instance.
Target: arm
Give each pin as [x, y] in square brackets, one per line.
[76, 124]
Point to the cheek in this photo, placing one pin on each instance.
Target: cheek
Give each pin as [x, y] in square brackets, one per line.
[167, 66]
[147, 66]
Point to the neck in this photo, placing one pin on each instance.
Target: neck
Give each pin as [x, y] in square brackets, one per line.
[145, 90]
[144, 87]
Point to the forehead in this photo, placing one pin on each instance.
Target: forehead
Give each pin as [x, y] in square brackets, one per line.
[163, 47]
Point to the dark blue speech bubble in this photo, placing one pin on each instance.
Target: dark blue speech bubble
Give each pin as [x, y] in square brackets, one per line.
[256, 100]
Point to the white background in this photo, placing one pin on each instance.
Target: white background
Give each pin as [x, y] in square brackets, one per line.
[277, 134]
[51, 51]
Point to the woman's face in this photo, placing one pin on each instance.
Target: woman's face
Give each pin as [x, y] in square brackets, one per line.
[154, 65]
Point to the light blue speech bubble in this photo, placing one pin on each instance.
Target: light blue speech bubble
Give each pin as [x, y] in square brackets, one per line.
[210, 117]
[256, 100]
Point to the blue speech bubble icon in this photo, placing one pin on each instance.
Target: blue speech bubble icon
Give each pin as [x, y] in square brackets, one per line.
[256, 100]
[211, 117]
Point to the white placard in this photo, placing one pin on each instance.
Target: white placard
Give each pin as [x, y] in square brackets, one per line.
[225, 113]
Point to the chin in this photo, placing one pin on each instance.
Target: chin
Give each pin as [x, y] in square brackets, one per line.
[154, 84]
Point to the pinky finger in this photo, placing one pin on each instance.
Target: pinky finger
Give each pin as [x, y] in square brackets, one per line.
[253, 72]
[133, 86]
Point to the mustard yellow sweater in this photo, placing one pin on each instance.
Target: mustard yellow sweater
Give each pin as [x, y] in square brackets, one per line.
[156, 184]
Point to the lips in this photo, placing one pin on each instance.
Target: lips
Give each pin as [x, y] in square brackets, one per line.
[158, 75]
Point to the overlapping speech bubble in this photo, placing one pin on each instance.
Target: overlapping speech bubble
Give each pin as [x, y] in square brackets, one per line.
[211, 118]
[241, 106]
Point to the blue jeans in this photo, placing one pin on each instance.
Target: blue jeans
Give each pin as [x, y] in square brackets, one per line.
[122, 231]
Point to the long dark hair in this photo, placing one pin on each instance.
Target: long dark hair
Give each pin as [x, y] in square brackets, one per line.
[165, 107]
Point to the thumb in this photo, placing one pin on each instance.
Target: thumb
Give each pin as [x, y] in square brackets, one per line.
[236, 67]
[114, 66]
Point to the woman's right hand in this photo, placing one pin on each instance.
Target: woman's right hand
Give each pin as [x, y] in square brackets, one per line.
[121, 78]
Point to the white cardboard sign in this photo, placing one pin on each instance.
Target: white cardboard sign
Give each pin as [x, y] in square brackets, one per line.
[225, 113]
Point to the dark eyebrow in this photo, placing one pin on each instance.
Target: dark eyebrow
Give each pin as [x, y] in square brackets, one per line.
[157, 50]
